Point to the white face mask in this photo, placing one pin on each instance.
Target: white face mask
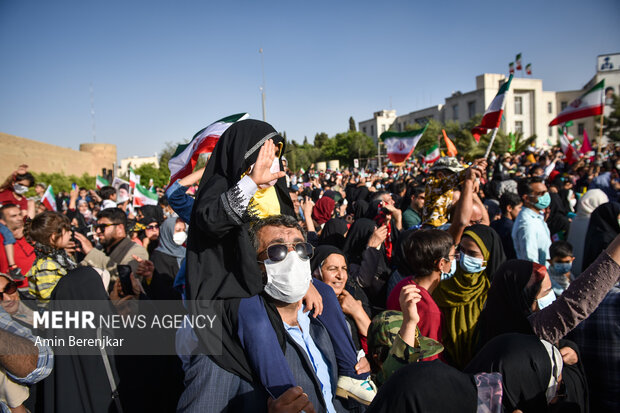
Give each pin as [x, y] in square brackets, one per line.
[20, 189]
[179, 238]
[288, 280]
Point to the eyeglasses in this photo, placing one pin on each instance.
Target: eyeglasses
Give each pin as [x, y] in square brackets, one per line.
[10, 288]
[455, 256]
[152, 227]
[102, 227]
[278, 252]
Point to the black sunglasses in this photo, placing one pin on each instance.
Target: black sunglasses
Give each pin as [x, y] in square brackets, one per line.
[102, 227]
[278, 252]
[10, 288]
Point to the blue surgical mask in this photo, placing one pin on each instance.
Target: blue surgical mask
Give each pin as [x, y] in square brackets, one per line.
[562, 267]
[446, 275]
[546, 300]
[543, 201]
[470, 264]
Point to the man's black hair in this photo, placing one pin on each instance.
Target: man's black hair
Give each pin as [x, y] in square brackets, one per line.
[415, 190]
[273, 221]
[561, 249]
[423, 248]
[508, 199]
[524, 187]
[115, 215]
[106, 192]
[5, 207]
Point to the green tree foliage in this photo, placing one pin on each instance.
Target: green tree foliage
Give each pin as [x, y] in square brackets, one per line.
[147, 171]
[611, 123]
[352, 127]
[61, 182]
[320, 139]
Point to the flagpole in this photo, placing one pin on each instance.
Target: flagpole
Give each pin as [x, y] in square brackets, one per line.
[486, 154]
[600, 134]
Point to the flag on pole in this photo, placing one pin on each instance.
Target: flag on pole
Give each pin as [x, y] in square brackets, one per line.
[400, 145]
[100, 182]
[142, 196]
[133, 178]
[184, 160]
[528, 68]
[588, 104]
[511, 68]
[518, 60]
[450, 148]
[493, 115]
[585, 146]
[49, 199]
[432, 154]
[570, 154]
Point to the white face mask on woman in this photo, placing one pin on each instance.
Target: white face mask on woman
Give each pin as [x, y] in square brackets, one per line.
[179, 238]
[288, 280]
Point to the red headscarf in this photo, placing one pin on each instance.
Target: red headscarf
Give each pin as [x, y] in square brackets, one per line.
[323, 209]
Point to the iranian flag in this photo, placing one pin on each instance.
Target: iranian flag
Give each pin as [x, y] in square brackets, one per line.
[400, 145]
[511, 68]
[184, 160]
[142, 196]
[432, 154]
[570, 154]
[49, 199]
[493, 115]
[100, 182]
[528, 68]
[588, 104]
[518, 60]
[133, 178]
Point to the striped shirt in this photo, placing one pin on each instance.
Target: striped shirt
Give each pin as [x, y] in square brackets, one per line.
[43, 277]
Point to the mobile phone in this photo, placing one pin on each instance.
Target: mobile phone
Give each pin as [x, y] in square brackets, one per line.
[124, 275]
[74, 186]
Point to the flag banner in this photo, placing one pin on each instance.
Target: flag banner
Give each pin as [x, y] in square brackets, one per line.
[133, 178]
[184, 160]
[142, 196]
[570, 154]
[585, 146]
[511, 68]
[450, 148]
[100, 182]
[49, 199]
[528, 68]
[400, 145]
[432, 154]
[588, 104]
[518, 60]
[493, 115]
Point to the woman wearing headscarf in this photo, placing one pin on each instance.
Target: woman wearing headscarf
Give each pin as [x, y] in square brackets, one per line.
[363, 248]
[333, 233]
[170, 252]
[462, 297]
[603, 227]
[591, 200]
[329, 265]
[521, 299]
[323, 210]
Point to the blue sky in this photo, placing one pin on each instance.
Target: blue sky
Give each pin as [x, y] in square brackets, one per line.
[162, 70]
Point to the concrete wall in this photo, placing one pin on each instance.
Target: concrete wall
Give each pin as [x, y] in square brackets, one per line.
[43, 157]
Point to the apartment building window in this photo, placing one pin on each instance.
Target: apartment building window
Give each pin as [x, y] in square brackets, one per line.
[580, 128]
[550, 133]
[455, 111]
[549, 107]
[519, 126]
[563, 105]
[471, 109]
[400, 127]
[518, 105]
[372, 130]
[364, 129]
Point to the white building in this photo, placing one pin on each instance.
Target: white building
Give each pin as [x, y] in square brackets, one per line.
[528, 109]
[136, 161]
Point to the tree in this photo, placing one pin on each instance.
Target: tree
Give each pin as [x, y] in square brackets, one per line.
[305, 140]
[160, 176]
[611, 123]
[352, 127]
[320, 139]
[347, 146]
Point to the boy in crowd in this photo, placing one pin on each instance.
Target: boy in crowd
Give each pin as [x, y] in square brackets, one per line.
[560, 265]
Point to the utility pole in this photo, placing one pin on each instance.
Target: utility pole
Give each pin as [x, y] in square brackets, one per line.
[92, 111]
[262, 63]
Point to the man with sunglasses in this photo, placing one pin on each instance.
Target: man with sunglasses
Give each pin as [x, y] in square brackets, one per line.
[284, 256]
[111, 231]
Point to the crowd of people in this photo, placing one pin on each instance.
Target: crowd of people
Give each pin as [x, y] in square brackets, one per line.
[482, 286]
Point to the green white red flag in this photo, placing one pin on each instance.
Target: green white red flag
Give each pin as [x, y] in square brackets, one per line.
[184, 160]
[133, 178]
[432, 154]
[493, 115]
[49, 199]
[528, 68]
[142, 196]
[588, 104]
[511, 68]
[570, 154]
[400, 145]
[100, 182]
[518, 60]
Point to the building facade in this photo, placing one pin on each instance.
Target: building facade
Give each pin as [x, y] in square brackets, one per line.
[136, 161]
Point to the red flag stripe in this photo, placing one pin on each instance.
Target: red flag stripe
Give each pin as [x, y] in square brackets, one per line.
[582, 113]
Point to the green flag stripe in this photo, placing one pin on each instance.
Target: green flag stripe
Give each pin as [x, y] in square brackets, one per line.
[405, 134]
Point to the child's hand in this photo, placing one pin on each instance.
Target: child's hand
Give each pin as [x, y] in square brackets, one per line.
[313, 301]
